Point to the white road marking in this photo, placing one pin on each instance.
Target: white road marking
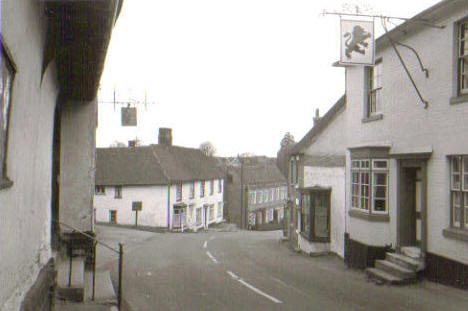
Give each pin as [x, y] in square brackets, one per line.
[205, 244]
[237, 278]
[211, 257]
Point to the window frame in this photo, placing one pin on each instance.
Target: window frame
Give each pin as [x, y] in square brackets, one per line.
[99, 190]
[373, 88]
[252, 197]
[462, 57]
[10, 67]
[259, 196]
[294, 170]
[192, 190]
[371, 170]
[118, 192]
[178, 192]
[220, 185]
[202, 189]
[461, 192]
[211, 187]
[308, 214]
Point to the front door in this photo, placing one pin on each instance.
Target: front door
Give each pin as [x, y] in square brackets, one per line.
[411, 204]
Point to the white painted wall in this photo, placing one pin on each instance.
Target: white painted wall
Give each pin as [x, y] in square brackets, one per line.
[156, 212]
[198, 202]
[77, 164]
[408, 127]
[333, 177]
[154, 205]
[330, 142]
[25, 207]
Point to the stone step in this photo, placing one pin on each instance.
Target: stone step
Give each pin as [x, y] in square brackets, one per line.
[71, 288]
[415, 265]
[104, 290]
[395, 269]
[383, 277]
[412, 251]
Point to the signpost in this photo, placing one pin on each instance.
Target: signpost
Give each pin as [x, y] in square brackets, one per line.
[137, 206]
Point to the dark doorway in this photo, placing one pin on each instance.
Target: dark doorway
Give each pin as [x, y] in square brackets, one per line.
[55, 202]
[411, 203]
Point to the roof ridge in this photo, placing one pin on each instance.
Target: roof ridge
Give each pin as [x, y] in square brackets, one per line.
[160, 165]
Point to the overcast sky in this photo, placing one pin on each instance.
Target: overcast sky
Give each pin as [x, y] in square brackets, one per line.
[238, 73]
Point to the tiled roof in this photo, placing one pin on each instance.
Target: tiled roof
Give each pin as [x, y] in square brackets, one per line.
[256, 170]
[263, 173]
[153, 165]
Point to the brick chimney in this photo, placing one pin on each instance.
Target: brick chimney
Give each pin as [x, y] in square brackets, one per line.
[317, 117]
[165, 136]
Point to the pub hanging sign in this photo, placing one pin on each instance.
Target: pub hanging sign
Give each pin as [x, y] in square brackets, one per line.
[357, 42]
[128, 116]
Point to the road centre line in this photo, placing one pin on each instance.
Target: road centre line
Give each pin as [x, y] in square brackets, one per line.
[237, 278]
[211, 257]
[205, 245]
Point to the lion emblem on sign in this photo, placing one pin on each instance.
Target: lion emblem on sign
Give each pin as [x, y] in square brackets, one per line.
[356, 41]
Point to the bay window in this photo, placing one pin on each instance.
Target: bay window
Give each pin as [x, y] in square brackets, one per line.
[315, 214]
[369, 185]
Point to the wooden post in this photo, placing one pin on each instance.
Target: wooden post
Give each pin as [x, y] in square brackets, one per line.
[119, 297]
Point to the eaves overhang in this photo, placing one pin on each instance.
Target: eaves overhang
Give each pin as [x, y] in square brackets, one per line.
[78, 36]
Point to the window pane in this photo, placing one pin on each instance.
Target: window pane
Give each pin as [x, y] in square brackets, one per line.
[455, 167]
[380, 192]
[365, 203]
[321, 217]
[380, 179]
[456, 199]
[456, 181]
[356, 178]
[466, 207]
[380, 205]
[356, 164]
[355, 190]
[465, 173]
[463, 74]
[463, 39]
[365, 178]
[380, 164]
[355, 202]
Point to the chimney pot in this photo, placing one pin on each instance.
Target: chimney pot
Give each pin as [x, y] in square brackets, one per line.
[317, 116]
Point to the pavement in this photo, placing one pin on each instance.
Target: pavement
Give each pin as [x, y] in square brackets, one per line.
[224, 268]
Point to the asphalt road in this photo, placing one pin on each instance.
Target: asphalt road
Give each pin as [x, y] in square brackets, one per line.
[253, 271]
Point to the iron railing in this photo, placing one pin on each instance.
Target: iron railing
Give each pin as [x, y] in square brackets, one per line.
[119, 252]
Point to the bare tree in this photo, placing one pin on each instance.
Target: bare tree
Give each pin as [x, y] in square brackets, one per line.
[288, 139]
[282, 157]
[207, 148]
